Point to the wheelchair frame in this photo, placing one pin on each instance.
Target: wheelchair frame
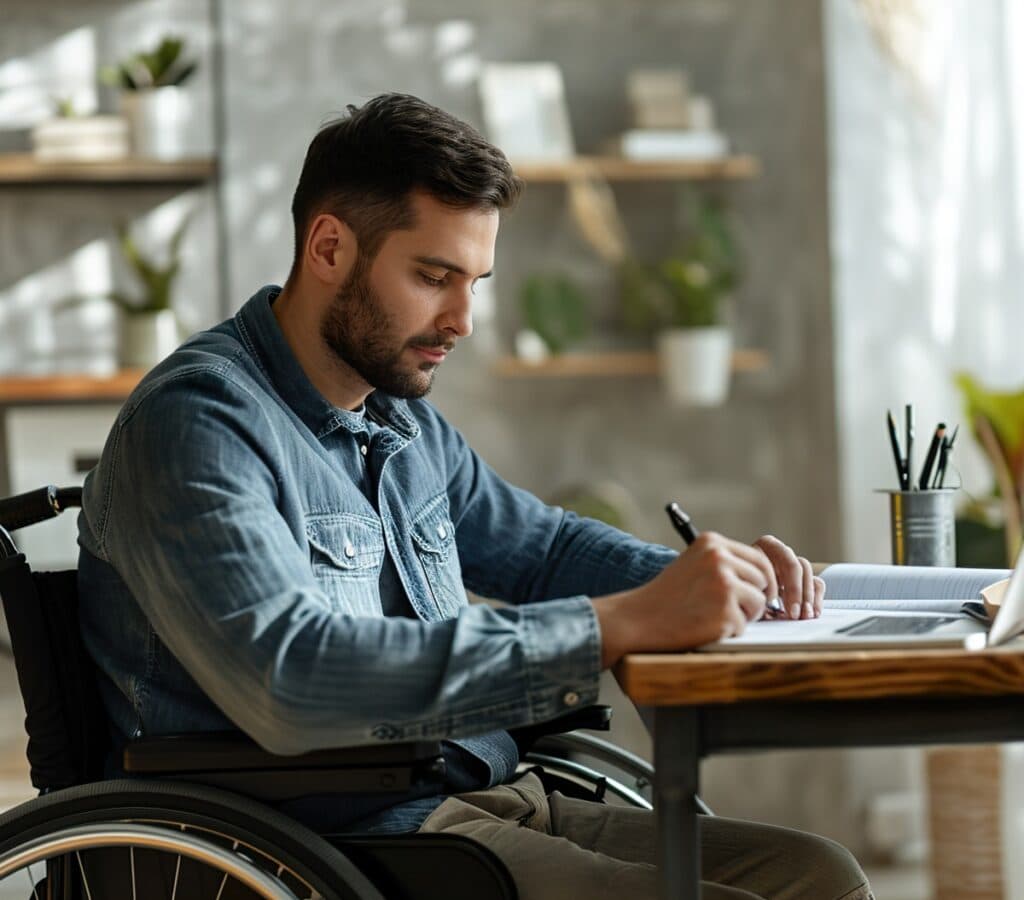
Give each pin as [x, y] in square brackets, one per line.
[185, 776]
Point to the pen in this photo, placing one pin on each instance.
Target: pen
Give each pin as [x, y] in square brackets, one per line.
[685, 529]
[947, 445]
[897, 454]
[929, 460]
[908, 463]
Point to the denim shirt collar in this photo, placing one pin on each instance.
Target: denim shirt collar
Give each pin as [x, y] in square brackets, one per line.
[262, 335]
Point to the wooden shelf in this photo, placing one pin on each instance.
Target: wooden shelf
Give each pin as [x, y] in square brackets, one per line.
[614, 168]
[25, 169]
[30, 389]
[583, 365]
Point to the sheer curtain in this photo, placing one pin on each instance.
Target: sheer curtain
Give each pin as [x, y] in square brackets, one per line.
[926, 111]
[927, 228]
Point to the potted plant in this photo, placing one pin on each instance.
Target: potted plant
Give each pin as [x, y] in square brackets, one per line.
[554, 310]
[682, 300]
[995, 525]
[159, 112]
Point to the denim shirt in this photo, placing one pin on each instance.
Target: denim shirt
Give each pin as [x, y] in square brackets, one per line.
[232, 539]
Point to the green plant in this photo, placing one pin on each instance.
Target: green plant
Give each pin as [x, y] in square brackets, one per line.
[555, 308]
[157, 280]
[997, 421]
[162, 67]
[688, 288]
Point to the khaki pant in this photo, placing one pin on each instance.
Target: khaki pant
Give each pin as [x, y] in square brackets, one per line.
[558, 847]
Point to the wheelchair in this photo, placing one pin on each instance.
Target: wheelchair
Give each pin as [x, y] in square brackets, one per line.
[195, 818]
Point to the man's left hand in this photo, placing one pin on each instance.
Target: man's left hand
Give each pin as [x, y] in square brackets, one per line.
[800, 590]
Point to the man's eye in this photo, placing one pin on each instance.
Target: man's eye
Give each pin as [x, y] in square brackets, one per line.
[429, 279]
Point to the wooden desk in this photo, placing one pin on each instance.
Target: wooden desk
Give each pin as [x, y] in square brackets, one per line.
[723, 703]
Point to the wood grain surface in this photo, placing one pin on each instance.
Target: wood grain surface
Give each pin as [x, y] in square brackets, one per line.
[658, 679]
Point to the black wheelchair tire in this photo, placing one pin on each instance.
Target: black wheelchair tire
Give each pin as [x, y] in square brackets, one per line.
[322, 866]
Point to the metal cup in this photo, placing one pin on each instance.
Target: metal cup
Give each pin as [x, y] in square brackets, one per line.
[922, 525]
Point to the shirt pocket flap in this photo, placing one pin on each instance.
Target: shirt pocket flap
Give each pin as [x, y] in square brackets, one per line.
[346, 540]
[432, 529]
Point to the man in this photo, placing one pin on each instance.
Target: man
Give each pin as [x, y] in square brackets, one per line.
[280, 532]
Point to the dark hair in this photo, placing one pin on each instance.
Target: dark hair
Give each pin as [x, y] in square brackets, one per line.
[363, 166]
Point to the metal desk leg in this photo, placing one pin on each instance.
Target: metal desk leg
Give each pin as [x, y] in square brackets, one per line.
[676, 784]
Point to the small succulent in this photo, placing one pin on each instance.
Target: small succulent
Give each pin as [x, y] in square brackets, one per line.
[162, 67]
[157, 280]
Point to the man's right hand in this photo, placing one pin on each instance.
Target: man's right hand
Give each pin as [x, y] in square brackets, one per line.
[710, 592]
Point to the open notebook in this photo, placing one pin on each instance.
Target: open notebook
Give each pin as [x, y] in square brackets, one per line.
[869, 606]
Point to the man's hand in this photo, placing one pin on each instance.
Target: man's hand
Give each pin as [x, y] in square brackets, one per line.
[710, 592]
[800, 590]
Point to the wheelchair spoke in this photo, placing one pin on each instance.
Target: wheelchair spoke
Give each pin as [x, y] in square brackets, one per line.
[32, 882]
[85, 879]
[224, 879]
[177, 872]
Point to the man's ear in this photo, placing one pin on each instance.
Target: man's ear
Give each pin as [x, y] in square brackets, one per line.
[330, 249]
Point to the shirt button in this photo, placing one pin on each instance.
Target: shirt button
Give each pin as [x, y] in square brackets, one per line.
[441, 533]
[570, 698]
[350, 551]
[362, 449]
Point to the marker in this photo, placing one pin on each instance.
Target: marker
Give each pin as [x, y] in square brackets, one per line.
[933, 448]
[684, 527]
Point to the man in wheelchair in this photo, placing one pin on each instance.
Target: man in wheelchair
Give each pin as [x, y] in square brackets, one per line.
[281, 531]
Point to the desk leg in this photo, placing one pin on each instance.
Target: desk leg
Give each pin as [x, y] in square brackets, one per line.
[676, 784]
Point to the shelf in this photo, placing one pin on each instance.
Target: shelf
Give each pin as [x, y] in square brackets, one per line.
[582, 365]
[31, 389]
[614, 168]
[25, 169]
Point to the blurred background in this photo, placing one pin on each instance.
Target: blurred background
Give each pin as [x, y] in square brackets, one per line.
[826, 194]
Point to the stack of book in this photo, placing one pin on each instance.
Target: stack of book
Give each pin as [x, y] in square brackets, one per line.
[81, 139]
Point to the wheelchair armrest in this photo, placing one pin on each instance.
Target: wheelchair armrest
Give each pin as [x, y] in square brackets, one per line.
[594, 718]
[234, 761]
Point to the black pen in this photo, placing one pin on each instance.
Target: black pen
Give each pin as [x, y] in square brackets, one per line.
[926, 470]
[908, 463]
[684, 527]
[897, 454]
[947, 445]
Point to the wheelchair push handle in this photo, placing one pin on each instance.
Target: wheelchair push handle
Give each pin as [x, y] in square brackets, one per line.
[26, 509]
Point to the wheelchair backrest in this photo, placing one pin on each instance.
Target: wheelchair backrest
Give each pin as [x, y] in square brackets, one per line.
[67, 731]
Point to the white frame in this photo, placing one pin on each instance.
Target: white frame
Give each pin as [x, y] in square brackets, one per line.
[525, 112]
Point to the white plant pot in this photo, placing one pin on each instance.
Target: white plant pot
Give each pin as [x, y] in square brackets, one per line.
[146, 338]
[163, 122]
[696, 364]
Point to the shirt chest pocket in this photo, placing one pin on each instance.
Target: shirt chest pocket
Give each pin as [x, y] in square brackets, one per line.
[346, 552]
[434, 539]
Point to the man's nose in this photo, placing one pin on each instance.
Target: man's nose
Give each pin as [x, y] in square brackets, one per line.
[457, 317]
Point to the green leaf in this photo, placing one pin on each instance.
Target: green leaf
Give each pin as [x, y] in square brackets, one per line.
[556, 309]
[1005, 412]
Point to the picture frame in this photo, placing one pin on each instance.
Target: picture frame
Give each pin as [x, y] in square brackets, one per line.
[525, 112]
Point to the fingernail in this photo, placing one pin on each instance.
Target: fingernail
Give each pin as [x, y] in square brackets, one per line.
[794, 611]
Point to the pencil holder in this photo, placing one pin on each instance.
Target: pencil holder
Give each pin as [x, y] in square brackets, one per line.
[922, 525]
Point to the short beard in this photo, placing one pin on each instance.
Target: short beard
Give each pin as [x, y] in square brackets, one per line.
[359, 333]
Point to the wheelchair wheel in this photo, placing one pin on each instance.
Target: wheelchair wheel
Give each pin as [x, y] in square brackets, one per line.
[131, 839]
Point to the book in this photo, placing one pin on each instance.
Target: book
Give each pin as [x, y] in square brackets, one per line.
[921, 589]
[671, 143]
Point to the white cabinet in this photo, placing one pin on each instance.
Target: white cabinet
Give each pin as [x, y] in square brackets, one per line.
[54, 444]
